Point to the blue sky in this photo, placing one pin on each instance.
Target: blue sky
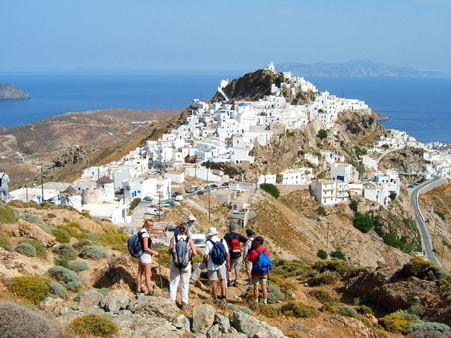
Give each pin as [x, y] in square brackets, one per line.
[59, 35]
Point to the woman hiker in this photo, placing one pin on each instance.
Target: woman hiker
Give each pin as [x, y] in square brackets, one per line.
[145, 260]
[182, 250]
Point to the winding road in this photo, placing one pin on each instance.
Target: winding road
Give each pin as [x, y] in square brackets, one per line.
[426, 240]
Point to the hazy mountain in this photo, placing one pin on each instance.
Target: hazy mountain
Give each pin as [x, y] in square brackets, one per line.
[9, 92]
[354, 68]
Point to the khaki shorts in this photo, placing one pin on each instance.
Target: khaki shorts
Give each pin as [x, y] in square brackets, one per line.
[260, 280]
[235, 264]
[248, 266]
[221, 273]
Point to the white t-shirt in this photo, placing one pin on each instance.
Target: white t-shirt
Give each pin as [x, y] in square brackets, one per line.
[248, 246]
[146, 257]
[208, 247]
[5, 180]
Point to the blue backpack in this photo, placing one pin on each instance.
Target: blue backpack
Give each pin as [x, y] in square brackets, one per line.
[135, 245]
[263, 264]
[218, 253]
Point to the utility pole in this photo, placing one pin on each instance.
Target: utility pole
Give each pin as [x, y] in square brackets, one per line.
[327, 236]
[159, 206]
[209, 193]
[42, 183]
[26, 192]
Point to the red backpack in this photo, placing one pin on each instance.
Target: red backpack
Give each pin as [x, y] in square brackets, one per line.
[234, 247]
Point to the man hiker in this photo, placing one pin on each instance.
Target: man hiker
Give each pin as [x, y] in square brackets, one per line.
[246, 251]
[4, 180]
[234, 241]
[261, 264]
[189, 224]
[218, 261]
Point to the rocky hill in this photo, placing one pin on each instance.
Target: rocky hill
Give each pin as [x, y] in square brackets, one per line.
[255, 85]
[62, 272]
[9, 92]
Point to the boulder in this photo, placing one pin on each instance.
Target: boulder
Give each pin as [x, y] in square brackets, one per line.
[135, 325]
[182, 322]
[203, 318]
[234, 335]
[53, 306]
[25, 229]
[115, 300]
[252, 327]
[87, 300]
[223, 322]
[155, 306]
[214, 332]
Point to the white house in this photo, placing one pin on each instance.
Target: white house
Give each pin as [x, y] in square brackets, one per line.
[369, 162]
[341, 171]
[175, 176]
[147, 185]
[300, 176]
[329, 192]
[115, 212]
[270, 179]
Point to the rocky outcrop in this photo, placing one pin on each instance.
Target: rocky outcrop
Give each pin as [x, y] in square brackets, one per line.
[155, 306]
[9, 92]
[24, 229]
[74, 155]
[203, 318]
[252, 327]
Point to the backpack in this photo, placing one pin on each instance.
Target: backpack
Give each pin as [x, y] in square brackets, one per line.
[218, 252]
[1, 179]
[136, 246]
[181, 253]
[251, 246]
[263, 264]
[234, 247]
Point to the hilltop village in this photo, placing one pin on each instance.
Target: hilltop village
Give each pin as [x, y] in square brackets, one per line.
[216, 141]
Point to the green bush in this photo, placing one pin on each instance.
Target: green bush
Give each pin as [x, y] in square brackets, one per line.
[95, 325]
[19, 321]
[113, 237]
[322, 296]
[40, 250]
[65, 251]
[440, 214]
[4, 243]
[82, 243]
[429, 329]
[61, 235]
[269, 311]
[67, 277]
[347, 311]
[322, 134]
[321, 211]
[135, 203]
[396, 323]
[363, 222]
[93, 252]
[26, 249]
[7, 215]
[270, 189]
[58, 291]
[354, 205]
[34, 289]
[77, 266]
[415, 267]
[322, 254]
[298, 310]
[324, 278]
[61, 262]
[338, 255]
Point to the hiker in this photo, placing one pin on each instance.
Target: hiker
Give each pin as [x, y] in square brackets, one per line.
[234, 241]
[4, 180]
[246, 251]
[189, 223]
[261, 264]
[182, 250]
[218, 261]
[145, 260]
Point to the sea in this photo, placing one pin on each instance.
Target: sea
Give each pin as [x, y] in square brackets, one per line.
[419, 106]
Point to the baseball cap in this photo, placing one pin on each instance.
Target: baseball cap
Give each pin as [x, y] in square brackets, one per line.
[259, 239]
[249, 232]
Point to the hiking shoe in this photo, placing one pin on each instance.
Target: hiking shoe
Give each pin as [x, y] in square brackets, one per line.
[222, 297]
[236, 283]
[184, 306]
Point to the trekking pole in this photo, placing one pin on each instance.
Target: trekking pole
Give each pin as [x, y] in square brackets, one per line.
[159, 268]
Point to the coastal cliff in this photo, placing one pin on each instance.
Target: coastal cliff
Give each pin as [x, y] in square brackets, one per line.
[9, 92]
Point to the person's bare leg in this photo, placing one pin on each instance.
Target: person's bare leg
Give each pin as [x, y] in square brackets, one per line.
[265, 293]
[256, 292]
[148, 274]
[213, 288]
[138, 279]
[237, 274]
[223, 287]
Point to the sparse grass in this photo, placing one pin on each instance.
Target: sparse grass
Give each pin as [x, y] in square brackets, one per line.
[322, 296]
[7, 215]
[4, 243]
[324, 278]
[35, 289]
[94, 325]
[35, 220]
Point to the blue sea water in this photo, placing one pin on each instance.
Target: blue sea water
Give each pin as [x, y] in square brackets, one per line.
[420, 106]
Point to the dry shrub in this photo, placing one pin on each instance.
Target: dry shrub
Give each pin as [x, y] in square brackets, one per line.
[34, 289]
[18, 321]
[95, 325]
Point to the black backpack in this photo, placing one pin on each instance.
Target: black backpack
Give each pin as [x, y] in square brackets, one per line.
[1, 179]
[181, 253]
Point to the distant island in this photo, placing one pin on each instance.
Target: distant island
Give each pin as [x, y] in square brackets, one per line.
[9, 92]
[355, 68]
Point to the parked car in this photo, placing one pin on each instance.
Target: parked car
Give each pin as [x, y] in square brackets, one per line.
[153, 211]
[148, 199]
[177, 193]
[214, 185]
[225, 184]
[179, 198]
[173, 203]
[199, 240]
[201, 192]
